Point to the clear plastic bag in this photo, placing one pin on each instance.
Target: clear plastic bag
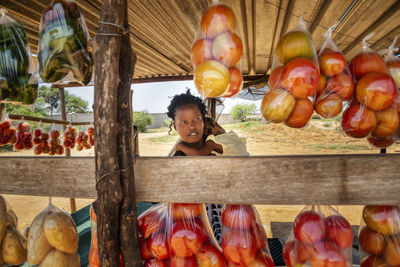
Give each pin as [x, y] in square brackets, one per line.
[55, 143]
[217, 52]
[178, 235]
[12, 242]
[63, 43]
[244, 242]
[82, 141]
[69, 137]
[8, 133]
[336, 86]
[370, 111]
[90, 132]
[53, 239]
[320, 237]
[294, 79]
[379, 236]
[41, 141]
[18, 76]
[24, 136]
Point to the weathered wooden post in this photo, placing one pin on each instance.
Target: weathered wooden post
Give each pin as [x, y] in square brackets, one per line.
[116, 195]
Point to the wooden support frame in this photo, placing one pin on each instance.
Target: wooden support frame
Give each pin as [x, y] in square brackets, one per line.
[319, 179]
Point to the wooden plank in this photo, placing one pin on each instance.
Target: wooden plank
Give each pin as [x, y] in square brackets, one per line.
[319, 179]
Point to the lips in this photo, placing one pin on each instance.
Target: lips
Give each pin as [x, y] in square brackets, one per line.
[193, 134]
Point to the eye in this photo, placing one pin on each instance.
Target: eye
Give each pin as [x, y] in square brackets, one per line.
[197, 120]
[182, 123]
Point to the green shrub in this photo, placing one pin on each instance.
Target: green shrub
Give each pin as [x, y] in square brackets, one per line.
[240, 111]
[142, 120]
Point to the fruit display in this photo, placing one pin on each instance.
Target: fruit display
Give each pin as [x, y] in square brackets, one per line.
[63, 43]
[372, 112]
[336, 85]
[320, 237]
[55, 143]
[40, 141]
[12, 242]
[379, 236]
[178, 235]
[18, 77]
[294, 80]
[70, 137]
[24, 136]
[244, 242]
[8, 134]
[216, 54]
[82, 141]
[53, 239]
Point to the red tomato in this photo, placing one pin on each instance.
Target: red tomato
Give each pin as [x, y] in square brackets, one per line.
[342, 85]
[148, 223]
[327, 254]
[380, 142]
[227, 48]
[301, 113]
[156, 263]
[201, 51]
[338, 230]
[373, 261]
[186, 211]
[383, 219]
[294, 252]
[260, 235]
[358, 121]
[186, 238]
[176, 261]
[331, 63]
[366, 62]
[217, 19]
[376, 90]
[300, 77]
[236, 82]
[309, 227]
[275, 78]
[328, 105]
[394, 69]
[158, 246]
[387, 123]
[322, 84]
[392, 251]
[262, 260]
[239, 247]
[144, 249]
[371, 242]
[238, 216]
[210, 256]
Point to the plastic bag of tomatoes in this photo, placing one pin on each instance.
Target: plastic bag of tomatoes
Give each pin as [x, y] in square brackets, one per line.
[178, 235]
[372, 111]
[244, 242]
[336, 86]
[63, 43]
[379, 237]
[293, 81]
[8, 133]
[217, 52]
[94, 260]
[320, 237]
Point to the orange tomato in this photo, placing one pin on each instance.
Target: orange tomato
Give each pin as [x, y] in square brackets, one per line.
[201, 51]
[342, 85]
[212, 79]
[236, 82]
[331, 63]
[358, 121]
[301, 113]
[217, 19]
[328, 105]
[274, 78]
[366, 62]
[293, 45]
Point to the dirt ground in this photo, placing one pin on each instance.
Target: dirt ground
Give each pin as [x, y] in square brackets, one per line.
[319, 137]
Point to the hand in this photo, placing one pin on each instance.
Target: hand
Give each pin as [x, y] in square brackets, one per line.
[214, 146]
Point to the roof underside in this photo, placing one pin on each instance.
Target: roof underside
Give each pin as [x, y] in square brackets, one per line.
[162, 31]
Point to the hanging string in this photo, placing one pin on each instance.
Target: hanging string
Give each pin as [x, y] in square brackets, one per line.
[121, 30]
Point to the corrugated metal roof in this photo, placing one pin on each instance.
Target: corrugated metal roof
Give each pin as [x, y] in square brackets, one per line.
[162, 31]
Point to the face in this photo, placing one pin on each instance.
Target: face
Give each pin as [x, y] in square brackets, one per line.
[189, 124]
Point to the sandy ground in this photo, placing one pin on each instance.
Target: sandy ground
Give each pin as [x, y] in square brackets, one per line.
[318, 137]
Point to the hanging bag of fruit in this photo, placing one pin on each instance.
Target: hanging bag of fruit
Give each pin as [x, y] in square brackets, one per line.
[18, 76]
[320, 237]
[379, 237]
[53, 239]
[217, 53]
[178, 235]
[8, 133]
[63, 43]
[371, 111]
[293, 82]
[24, 136]
[336, 86]
[244, 242]
[12, 242]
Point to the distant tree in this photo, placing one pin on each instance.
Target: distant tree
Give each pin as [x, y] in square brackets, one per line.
[51, 97]
[75, 103]
[241, 111]
[142, 120]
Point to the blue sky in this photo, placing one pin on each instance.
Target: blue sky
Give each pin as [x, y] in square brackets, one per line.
[155, 97]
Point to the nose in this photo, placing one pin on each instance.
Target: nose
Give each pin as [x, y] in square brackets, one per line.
[192, 126]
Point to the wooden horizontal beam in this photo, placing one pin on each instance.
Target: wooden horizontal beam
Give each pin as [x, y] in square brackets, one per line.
[185, 78]
[45, 120]
[317, 179]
